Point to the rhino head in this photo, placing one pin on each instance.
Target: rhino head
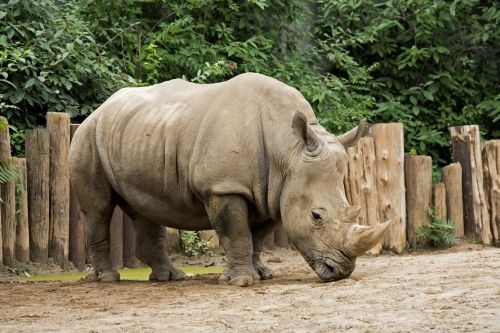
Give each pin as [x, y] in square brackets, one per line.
[314, 209]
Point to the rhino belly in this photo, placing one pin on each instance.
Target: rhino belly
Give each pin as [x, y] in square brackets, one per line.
[163, 210]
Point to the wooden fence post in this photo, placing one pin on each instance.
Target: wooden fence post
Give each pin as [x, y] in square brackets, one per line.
[22, 249]
[77, 233]
[129, 258]
[491, 165]
[8, 195]
[37, 147]
[362, 184]
[418, 180]
[389, 154]
[58, 124]
[280, 238]
[439, 200]
[467, 151]
[208, 235]
[452, 177]
[116, 238]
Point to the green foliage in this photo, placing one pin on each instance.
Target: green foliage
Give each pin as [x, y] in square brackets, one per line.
[428, 64]
[8, 172]
[193, 245]
[49, 60]
[439, 232]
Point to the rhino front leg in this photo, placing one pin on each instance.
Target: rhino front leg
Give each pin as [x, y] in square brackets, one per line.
[228, 215]
[151, 249]
[259, 233]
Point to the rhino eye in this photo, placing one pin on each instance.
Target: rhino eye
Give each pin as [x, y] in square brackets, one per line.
[316, 217]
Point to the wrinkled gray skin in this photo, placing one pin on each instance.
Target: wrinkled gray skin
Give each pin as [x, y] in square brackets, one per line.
[240, 157]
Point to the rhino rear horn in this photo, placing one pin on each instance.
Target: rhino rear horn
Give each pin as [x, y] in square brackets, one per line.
[350, 138]
[305, 133]
[360, 239]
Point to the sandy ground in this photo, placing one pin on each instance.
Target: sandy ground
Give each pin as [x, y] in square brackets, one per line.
[447, 291]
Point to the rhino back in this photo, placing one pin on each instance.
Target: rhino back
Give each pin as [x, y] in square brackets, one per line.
[167, 147]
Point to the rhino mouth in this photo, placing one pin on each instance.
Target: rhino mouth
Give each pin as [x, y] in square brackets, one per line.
[328, 269]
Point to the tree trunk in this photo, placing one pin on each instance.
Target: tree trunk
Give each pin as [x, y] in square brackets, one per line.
[77, 233]
[418, 180]
[362, 184]
[389, 154]
[37, 145]
[452, 177]
[439, 201]
[22, 228]
[491, 165]
[58, 125]
[210, 236]
[8, 195]
[467, 151]
[116, 238]
[129, 258]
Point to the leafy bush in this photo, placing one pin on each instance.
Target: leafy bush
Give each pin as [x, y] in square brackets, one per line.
[428, 64]
[439, 232]
[50, 61]
[193, 245]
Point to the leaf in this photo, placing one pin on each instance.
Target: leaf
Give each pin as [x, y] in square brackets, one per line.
[2, 14]
[30, 82]
[428, 95]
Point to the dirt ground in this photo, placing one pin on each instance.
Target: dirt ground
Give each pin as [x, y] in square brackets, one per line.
[456, 290]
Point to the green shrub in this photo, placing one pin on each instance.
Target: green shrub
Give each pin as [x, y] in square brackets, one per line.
[193, 245]
[439, 232]
[50, 61]
[427, 64]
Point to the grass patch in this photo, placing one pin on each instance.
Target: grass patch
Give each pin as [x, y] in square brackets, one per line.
[133, 274]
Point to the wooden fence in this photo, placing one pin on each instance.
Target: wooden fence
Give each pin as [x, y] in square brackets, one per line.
[43, 222]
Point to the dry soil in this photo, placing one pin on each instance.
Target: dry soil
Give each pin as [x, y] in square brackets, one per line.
[446, 291]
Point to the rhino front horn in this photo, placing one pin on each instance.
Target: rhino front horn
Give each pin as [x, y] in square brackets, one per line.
[360, 239]
[351, 138]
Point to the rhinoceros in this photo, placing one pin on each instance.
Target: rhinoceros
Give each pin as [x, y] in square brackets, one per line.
[241, 157]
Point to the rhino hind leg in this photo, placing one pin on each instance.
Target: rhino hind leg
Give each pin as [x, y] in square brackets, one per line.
[228, 215]
[259, 233]
[151, 249]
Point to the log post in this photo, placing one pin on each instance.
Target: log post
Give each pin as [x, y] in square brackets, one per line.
[418, 180]
[362, 184]
[269, 241]
[116, 238]
[491, 166]
[8, 195]
[77, 233]
[173, 239]
[58, 124]
[467, 151]
[37, 148]
[439, 201]
[280, 238]
[129, 258]
[389, 154]
[22, 229]
[210, 236]
[452, 177]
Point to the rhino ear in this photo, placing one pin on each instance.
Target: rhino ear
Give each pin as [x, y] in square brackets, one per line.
[351, 137]
[304, 132]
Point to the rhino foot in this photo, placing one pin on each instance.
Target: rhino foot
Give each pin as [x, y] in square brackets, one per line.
[264, 272]
[240, 280]
[167, 275]
[95, 274]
